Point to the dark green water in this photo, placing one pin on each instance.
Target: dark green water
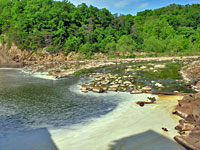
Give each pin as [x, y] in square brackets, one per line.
[168, 76]
[28, 103]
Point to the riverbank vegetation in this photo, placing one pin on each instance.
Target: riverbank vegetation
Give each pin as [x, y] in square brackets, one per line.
[62, 26]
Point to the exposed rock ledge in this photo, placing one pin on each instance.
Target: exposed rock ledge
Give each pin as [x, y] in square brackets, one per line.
[6, 61]
[189, 109]
[189, 128]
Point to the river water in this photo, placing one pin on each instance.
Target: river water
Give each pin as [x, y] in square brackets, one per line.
[28, 103]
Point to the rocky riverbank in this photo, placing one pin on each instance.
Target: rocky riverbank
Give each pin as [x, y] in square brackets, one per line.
[6, 61]
[191, 74]
[189, 127]
[65, 67]
[137, 78]
[189, 109]
[58, 65]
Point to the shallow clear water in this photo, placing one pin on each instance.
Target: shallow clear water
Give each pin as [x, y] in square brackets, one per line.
[169, 76]
[28, 103]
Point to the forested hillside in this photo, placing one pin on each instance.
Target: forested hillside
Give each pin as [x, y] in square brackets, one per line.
[61, 26]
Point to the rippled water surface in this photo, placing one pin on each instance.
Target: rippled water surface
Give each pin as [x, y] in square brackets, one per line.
[28, 103]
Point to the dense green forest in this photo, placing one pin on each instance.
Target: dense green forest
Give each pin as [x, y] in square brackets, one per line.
[61, 26]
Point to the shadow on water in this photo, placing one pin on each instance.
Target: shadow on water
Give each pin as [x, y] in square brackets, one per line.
[38, 139]
[148, 140]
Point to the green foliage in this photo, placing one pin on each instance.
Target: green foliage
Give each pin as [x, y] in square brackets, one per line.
[72, 44]
[178, 44]
[157, 28]
[87, 49]
[152, 44]
[59, 25]
[110, 47]
[126, 44]
[2, 40]
[51, 49]
[82, 72]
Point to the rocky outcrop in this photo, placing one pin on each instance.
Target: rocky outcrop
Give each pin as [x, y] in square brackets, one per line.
[189, 128]
[191, 74]
[6, 61]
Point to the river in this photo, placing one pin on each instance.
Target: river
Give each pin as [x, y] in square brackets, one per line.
[28, 103]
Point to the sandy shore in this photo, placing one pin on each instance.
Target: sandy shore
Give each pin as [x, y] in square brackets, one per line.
[127, 120]
[143, 126]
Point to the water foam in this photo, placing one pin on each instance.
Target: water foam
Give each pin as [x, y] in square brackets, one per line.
[41, 75]
[127, 119]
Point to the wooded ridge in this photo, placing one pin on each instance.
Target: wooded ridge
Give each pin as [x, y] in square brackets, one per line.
[61, 26]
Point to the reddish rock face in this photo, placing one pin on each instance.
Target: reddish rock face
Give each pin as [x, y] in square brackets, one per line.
[189, 128]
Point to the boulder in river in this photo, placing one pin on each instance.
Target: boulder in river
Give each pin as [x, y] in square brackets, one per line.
[84, 88]
[159, 66]
[114, 86]
[112, 89]
[127, 82]
[136, 92]
[90, 87]
[143, 67]
[159, 85]
[146, 88]
[105, 82]
[98, 89]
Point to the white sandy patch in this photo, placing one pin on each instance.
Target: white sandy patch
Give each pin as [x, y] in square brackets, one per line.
[127, 120]
[42, 75]
[10, 69]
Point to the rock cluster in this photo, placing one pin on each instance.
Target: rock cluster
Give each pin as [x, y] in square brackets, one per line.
[108, 82]
[192, 75]
[189, 127]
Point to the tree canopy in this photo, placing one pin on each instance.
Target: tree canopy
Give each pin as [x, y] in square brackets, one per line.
[61, 26]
